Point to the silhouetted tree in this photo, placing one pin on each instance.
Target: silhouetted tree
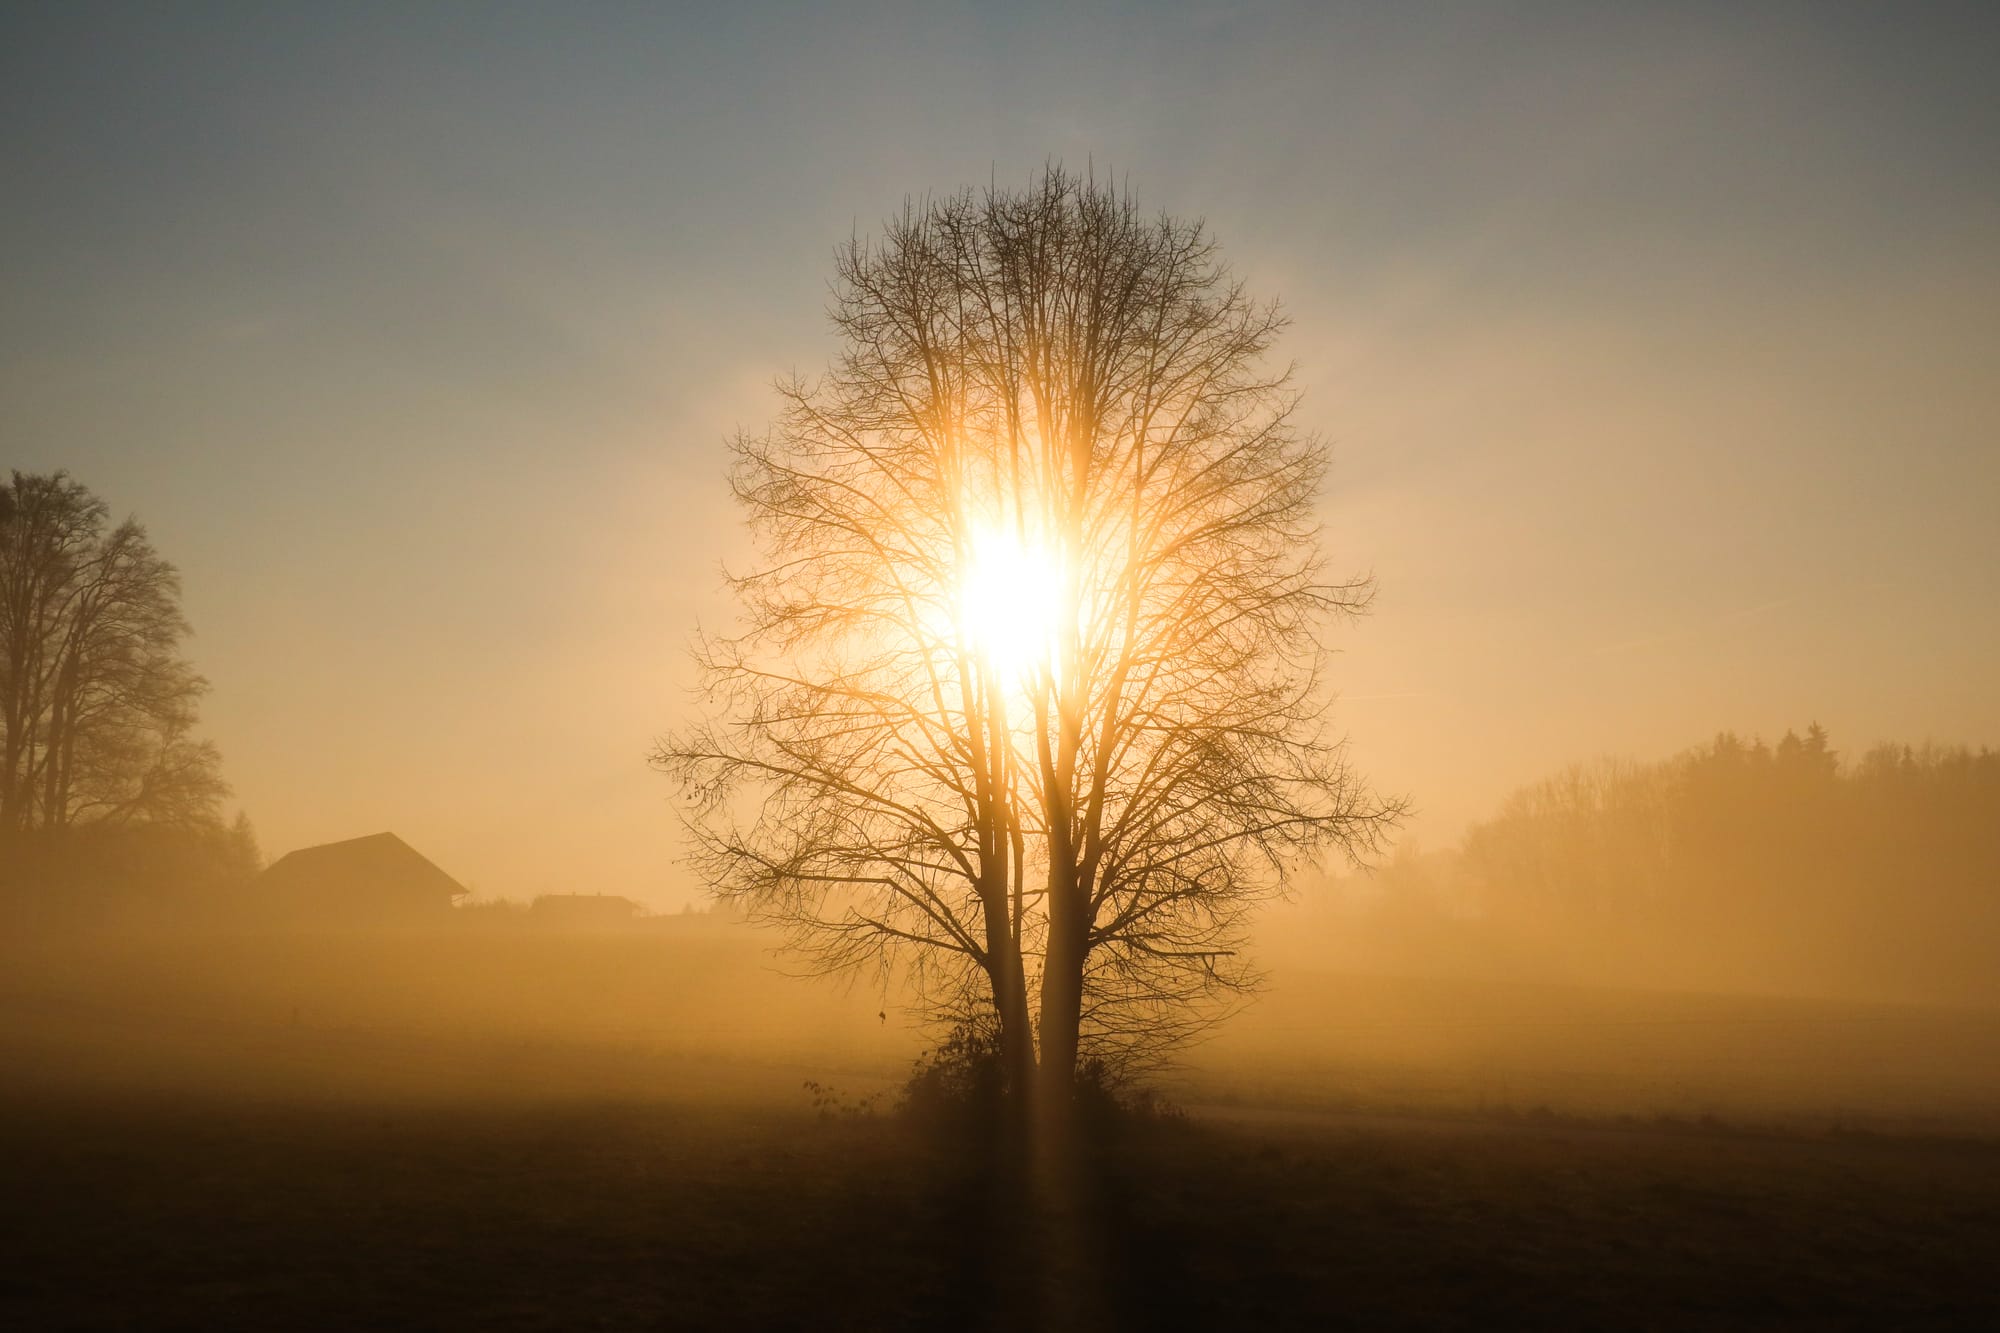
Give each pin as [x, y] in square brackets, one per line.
[96, 700]
[1065, 830]
[246, 856]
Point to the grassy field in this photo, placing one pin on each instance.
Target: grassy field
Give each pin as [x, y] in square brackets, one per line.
[259, 1133]
[203, 1214]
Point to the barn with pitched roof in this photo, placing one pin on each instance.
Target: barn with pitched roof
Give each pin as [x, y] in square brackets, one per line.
[364, 880]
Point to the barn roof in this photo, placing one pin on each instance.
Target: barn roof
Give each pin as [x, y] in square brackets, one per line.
[380, 861]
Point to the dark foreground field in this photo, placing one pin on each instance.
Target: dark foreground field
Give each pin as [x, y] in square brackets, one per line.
[164, 1212]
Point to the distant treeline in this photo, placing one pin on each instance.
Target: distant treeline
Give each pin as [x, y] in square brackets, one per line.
[1736, 864]
[139, 871]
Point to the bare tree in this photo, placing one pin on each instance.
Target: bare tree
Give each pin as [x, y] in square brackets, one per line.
[96, 698]
[1030, 688]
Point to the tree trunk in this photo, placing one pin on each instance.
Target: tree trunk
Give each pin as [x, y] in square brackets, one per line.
[1062, 1008]
[1010, 1000]
[1005, 968]
[16, 766]
[58, 744]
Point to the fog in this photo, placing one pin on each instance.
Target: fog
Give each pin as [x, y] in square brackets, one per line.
[1580, 1050]
[1746, 932]
[690, 1011]
[705, 1015]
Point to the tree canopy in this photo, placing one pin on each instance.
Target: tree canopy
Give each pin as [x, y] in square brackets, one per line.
[97, 702]
[1029, 691]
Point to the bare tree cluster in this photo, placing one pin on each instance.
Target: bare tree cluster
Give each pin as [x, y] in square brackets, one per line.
[1066, 834]
[97, 702]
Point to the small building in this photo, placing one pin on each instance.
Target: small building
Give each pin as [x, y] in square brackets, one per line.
[583, 911]
[371, 880]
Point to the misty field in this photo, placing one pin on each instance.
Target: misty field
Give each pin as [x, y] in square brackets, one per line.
[520, 1131]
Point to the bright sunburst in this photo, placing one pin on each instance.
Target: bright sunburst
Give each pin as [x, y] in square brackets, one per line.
[1008, 599]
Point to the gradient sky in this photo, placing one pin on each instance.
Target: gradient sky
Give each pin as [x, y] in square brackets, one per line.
[1659, 351]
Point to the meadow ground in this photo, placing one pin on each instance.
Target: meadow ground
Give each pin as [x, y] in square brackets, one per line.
[159, 1212]
[347, 1133]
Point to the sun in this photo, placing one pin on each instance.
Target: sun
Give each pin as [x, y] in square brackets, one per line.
[1007, 602]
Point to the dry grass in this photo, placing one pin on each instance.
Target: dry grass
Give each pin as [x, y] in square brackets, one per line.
[609, 1134]
[220, 1215]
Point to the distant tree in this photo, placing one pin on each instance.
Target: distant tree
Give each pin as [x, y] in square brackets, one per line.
[97, 702]
[1030, 689]
[246, 857]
